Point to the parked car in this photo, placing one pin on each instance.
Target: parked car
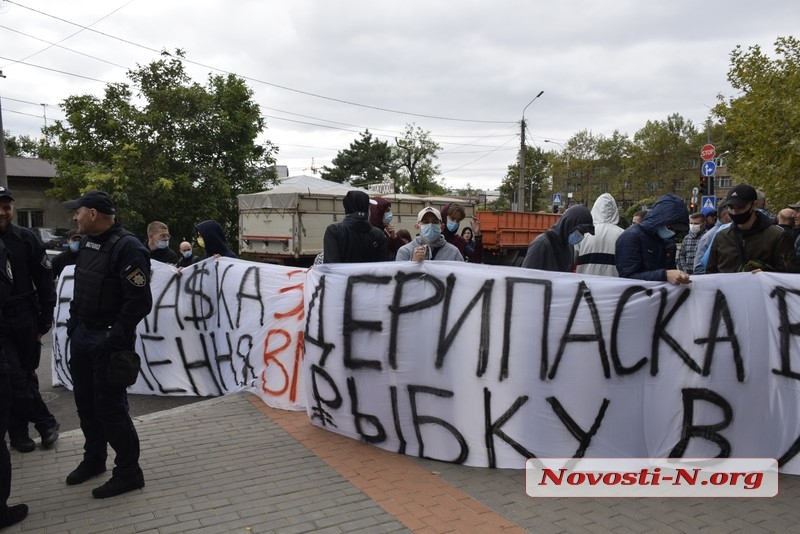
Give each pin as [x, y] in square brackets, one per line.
[52, 238]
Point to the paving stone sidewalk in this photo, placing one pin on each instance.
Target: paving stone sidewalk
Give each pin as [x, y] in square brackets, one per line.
[232, 465]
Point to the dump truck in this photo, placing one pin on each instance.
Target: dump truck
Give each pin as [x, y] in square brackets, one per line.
[507, 234]
[286, 224]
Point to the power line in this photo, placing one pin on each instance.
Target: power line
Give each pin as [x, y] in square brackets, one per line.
[271, 84]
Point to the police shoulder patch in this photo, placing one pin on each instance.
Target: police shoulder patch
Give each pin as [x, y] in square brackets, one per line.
[137, 278]
[46, 262]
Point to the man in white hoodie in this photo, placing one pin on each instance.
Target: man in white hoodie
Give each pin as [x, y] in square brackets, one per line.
[596, 252]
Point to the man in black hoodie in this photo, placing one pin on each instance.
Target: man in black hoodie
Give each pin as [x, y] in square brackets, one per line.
[212, 238]
[354, 240]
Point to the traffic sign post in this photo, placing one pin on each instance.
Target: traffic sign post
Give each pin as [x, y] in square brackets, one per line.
[708, 202]
[709, 168]
[557, 199]
[708, 152]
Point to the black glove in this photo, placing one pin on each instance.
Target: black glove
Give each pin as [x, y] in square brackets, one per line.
[45, 323]
[118, 339]
[72, 323]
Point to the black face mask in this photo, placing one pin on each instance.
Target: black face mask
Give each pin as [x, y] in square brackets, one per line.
[740, 218]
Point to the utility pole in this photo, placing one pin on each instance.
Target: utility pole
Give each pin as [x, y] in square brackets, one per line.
[3, 173]
[521, 184]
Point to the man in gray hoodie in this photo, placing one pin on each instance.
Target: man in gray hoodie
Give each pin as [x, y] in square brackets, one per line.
[430, 244]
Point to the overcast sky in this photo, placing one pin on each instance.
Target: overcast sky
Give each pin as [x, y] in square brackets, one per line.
[324, 71]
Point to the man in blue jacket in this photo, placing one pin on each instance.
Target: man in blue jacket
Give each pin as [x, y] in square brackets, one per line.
[646, 251]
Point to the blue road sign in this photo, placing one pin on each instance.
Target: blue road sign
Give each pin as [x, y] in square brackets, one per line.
[709, 168]
[557, 199]
[708, 202]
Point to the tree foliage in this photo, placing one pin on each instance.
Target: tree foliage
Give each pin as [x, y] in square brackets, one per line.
[164, 147]
[415, 160]
[20, 146]
[367, 161]
[762, 122]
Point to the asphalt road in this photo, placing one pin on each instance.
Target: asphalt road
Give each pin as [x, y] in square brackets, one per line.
[62, 405]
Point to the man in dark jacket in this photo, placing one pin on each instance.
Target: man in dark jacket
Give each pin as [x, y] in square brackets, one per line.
[646, 251]
[380, 216]
[69, 256]
[452, 215]
[27, 316]
[752, 243]
[354, 240]
[212, 238]
[554, 250]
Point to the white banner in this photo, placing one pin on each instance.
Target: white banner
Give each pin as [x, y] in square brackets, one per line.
[217, 327]
[488, 366]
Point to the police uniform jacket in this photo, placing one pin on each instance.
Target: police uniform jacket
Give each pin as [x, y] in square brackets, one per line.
[112, 283]
[33, 288]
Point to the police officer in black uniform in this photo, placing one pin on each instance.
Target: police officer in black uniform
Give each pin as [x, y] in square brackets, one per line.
[27, 316]
[111, 296]
[9, 515]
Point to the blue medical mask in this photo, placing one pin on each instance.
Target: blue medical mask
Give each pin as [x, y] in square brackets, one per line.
[74, 246]
[575, 237]
[162, 244]
[452, 225]
[665, 233]
[187, 254]
[430, 232]
[387, 217]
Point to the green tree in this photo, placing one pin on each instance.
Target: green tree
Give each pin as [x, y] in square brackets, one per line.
[367, 161]
[536, 164]
[164, 147]
[662, 158]
[763, 121]
[21, 146]
[415, 160]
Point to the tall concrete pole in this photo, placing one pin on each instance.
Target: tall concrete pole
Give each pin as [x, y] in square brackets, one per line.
[521, 184]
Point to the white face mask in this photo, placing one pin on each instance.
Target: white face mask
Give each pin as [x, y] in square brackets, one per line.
[695, 228]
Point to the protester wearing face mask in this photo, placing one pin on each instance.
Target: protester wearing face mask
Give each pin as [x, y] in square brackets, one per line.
[646, 251]
[554, 250]
[158, 243]
[752, 243]
[452, 215]
[381, 217]
[430, 243]
[68, 256]
[697, 229]
[188, 257]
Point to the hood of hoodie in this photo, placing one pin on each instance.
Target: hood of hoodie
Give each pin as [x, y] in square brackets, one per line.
[575, 216]
[378, 210]
[605, 210]
[213, 238]
[668, 209]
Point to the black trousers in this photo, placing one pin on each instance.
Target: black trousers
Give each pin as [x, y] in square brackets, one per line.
[5, 456]
[18, 333]
[102, 409]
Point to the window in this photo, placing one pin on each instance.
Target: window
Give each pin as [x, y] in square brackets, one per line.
[30, 218]
[723, 181]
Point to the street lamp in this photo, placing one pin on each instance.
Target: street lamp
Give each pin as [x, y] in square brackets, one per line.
[521, 184]
[566, 152]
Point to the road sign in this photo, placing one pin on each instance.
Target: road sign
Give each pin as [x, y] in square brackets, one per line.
[695, 192]
[557, 199]
[709, 168]
[708, 202]
[708, 152]
[694, 199]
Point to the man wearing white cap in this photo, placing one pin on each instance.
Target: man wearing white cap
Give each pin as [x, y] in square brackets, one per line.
[430, 243]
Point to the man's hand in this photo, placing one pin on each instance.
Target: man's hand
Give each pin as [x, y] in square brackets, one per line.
[476, 227]
[419, 254]
[676, 277]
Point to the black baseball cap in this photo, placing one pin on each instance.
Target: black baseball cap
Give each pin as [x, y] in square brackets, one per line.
[97, 200]
[6, 192]
[740, 195]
